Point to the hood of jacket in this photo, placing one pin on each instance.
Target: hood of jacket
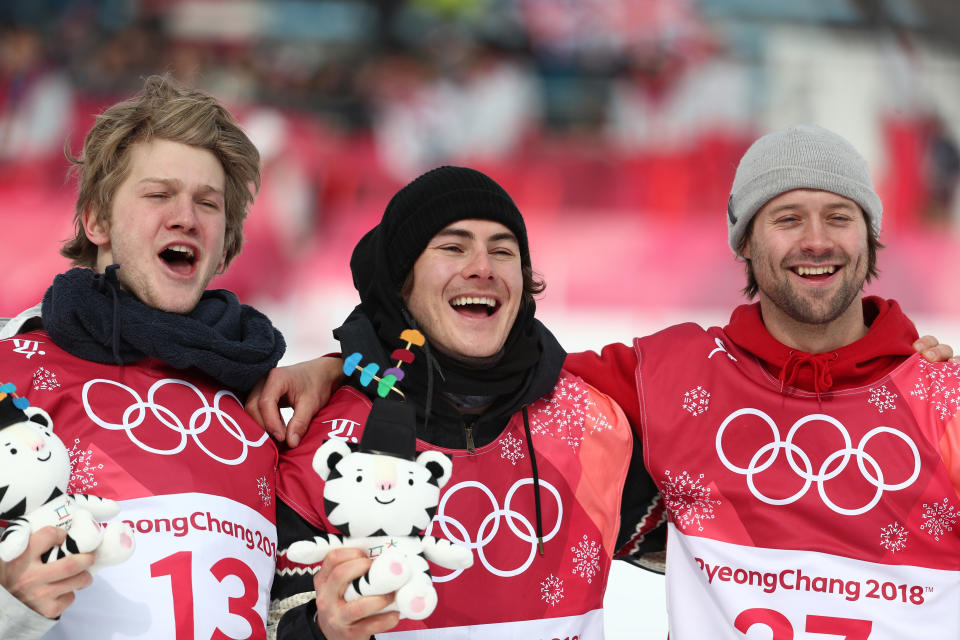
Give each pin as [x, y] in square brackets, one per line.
[888, 342]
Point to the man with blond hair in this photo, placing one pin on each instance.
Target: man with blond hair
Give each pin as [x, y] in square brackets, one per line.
[143, 369]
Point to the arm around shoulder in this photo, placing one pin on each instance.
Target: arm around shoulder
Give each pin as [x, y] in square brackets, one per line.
[613, 372]
[306, 387]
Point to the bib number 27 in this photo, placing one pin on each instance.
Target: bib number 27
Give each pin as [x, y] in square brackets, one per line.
[178, 567]
[847, 628]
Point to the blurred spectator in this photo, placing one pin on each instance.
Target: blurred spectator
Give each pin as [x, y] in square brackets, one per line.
[475, 108]
[578, 106]
[36, 99]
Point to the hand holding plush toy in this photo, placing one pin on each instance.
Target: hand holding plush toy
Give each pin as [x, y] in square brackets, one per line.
[381, 497]
[34, 474]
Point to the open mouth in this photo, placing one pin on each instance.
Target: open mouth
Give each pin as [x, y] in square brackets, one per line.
[815, 273]
[475, 306]
[180, 258]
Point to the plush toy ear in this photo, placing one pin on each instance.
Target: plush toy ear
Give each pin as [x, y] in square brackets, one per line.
[328, 455]
[439, 465]
[38, 415]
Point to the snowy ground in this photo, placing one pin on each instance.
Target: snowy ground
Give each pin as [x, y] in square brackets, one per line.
[635, 604]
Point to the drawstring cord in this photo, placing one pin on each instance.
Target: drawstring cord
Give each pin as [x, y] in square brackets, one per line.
[108, 281]
[819, 364]
[431, 363]
[536, 479]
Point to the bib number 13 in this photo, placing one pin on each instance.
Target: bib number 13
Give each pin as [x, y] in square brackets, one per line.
[847, 628]
[179, 567]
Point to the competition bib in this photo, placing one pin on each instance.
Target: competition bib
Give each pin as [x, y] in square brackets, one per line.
[202, 570]
[772, 594]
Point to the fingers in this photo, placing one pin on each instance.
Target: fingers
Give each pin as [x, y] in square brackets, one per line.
[47, 588]
[263, 404]
[51, 599]
[252, 406]
[372, 623]
[306, 385]
[65, 574]
[358, 618]
[932, 350]
[341, 567]
[939, 353]
[304, 408]
[315, 382]
[43, 539]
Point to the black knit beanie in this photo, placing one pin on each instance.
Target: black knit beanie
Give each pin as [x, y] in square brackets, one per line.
[425, 206]
[384, 258]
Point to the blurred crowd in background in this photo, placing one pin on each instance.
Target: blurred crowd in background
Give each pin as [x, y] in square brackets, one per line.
[578, 107]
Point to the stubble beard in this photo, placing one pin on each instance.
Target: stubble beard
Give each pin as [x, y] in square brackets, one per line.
[814, 309]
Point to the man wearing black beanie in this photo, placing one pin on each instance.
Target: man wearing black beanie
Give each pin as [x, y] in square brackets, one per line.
[539, 457]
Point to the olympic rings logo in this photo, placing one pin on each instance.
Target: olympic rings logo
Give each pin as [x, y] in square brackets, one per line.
[200, 420]
[867, 464]
[490, 526]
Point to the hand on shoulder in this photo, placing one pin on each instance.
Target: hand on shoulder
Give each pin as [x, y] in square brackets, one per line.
[306, 386]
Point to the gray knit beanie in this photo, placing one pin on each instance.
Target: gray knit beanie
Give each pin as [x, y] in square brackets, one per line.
[798, 157]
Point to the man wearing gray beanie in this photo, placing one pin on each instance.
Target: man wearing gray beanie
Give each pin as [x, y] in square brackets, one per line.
[797, 450]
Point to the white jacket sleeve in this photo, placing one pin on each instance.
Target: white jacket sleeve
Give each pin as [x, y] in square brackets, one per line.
[20, 622]
[17, 620]
[10, 327]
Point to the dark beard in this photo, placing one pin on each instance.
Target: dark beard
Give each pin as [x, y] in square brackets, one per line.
[804, 310]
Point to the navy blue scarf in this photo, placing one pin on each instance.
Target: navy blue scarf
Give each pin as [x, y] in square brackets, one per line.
[90, 316]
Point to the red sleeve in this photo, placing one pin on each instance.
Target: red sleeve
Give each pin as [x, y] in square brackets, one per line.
[298, 484]
[612, 372]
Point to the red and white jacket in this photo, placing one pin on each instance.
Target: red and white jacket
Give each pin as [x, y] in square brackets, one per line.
[582, 444]
[195, 479]
[799, 513]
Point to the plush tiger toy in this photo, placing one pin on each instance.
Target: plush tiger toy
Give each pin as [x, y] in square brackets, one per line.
[34, 474]
[380, 498]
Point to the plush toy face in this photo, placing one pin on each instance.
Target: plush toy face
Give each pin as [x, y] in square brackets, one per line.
[371, 494]
[34, 464]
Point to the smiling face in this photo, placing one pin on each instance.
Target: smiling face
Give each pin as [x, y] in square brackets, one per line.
[30, 449]
[809, 254]
[166, 228]
[466, 288]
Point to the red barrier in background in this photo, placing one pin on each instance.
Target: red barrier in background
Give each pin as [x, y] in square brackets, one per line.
[607, 230]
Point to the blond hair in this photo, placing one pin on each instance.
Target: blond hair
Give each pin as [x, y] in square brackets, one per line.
[162, 110]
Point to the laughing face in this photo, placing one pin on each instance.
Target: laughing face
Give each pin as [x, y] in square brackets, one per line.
[809, 254]
[166, 228]
[467, 286]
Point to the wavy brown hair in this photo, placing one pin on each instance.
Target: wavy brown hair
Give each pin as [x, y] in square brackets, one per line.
[162, 110]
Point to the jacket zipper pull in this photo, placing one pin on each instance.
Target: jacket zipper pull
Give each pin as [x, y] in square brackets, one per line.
[468, 431]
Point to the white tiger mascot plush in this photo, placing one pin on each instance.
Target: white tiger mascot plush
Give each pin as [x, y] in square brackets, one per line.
[34, 474]
[381, 497]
